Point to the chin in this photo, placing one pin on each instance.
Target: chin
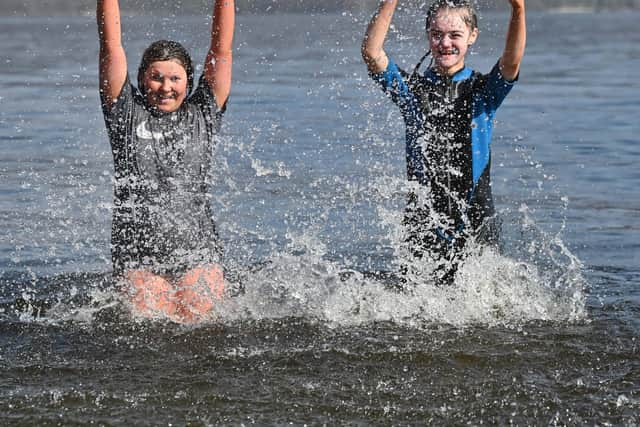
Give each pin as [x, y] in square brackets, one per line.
[447, 65]
[167, 108]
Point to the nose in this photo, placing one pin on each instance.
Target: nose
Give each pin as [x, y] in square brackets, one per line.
[445, 41]
[166, 85]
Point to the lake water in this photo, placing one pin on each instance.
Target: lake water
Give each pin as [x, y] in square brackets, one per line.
[308, 196]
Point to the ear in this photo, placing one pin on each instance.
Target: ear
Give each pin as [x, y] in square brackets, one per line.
[473, 36]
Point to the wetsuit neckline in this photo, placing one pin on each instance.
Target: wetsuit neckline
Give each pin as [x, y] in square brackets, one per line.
[156, 112]
[435, 76]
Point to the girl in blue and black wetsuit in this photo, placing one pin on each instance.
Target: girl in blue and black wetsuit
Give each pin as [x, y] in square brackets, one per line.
[448, 112]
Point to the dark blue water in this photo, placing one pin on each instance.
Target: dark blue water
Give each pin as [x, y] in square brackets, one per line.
[308, 196]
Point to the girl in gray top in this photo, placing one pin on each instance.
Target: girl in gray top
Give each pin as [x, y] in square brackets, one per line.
[164, 243]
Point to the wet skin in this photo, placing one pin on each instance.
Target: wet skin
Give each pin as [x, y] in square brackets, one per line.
[449, 40]
[165, 84]
[190, 299]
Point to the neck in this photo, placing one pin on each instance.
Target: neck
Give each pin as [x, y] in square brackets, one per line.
[448, 71]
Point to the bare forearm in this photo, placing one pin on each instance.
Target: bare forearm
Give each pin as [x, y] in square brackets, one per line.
[372, 46]
[222, 27]
[516, 41]
[218, 64]
[108, 19]
[113, 63]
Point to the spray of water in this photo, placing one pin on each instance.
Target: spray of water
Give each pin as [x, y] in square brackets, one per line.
[311, 243]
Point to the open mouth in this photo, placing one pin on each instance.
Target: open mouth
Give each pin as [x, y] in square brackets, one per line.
[162, 99]
[451, 52]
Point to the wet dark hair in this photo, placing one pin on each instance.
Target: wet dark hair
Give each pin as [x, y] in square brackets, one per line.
[470, 18]
[165, 50]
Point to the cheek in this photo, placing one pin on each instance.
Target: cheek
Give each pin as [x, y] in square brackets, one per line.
[462, 47]
[181, 93]
[151, 85]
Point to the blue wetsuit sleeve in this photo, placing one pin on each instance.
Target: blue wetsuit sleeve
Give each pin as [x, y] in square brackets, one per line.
[497, 88]
[493, 92]
[393, 82]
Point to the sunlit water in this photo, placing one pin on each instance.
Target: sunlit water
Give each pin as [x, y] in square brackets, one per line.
[308, 196]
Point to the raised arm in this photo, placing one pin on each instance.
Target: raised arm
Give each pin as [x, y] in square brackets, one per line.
[217, 68]
[516, 41]
[113, 62]
[372, 45]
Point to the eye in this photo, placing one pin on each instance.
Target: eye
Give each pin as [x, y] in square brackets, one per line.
[156, 77]
[175, 79]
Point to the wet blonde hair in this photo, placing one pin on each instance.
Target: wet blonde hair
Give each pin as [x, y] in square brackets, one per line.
[470, 17]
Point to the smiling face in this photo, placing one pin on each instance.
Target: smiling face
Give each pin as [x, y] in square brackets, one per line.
[166, 85]
[450, 36]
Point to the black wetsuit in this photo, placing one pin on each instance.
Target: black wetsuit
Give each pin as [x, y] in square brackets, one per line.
[448, 122]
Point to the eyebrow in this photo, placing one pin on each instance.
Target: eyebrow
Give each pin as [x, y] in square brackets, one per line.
[446, 32]
[168, 74]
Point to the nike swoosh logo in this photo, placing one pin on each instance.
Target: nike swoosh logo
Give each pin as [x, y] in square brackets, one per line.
[143, 132]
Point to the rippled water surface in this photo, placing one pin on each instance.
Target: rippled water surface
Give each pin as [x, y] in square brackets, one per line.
[308, 195]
